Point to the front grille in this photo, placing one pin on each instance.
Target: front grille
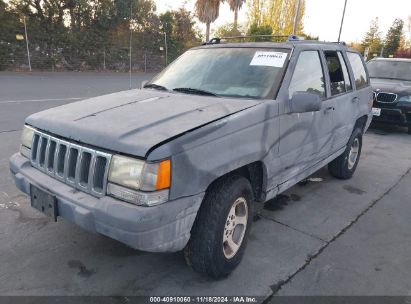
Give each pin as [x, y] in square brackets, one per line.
[386, 97]
[78, 166]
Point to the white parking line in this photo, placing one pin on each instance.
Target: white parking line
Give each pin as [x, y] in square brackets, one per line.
[34, 100]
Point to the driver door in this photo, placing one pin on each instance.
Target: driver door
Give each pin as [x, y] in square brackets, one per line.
[305, 138]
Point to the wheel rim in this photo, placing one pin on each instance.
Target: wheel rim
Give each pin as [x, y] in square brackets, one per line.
[235, 227]
[353, 156]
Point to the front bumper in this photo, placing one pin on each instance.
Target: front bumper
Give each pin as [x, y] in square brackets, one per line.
[162, 228]
[393, 116]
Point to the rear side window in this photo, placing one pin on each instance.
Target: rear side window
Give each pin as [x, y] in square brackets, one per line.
[348, 86]
[308, 75]
[340, 81]
[358, 69]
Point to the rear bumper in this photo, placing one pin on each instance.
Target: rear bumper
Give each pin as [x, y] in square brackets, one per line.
[162, 228]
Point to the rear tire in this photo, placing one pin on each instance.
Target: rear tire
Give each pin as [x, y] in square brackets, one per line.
[343, 167]
[220, 232]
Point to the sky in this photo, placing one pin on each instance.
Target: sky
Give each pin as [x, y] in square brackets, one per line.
[323, 17]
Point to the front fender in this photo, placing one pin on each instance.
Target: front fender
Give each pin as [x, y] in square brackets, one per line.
[202, 156]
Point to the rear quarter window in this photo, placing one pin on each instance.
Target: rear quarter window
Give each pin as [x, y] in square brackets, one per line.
[358, 69]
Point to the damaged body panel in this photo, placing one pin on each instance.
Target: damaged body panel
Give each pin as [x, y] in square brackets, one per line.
[221, 128]
[138, 120]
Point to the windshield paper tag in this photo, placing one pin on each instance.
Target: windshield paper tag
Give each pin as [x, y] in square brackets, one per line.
[272, 59]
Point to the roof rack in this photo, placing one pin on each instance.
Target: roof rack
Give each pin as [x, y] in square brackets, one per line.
[218, 40]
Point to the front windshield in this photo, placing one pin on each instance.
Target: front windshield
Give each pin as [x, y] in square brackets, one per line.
[236, 72]
[390, 69]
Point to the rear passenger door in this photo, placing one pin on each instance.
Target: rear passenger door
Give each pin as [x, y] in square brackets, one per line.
[342, 97]
[356, 100]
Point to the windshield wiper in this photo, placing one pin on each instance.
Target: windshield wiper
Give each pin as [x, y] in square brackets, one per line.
[155, 86]
[194, 91]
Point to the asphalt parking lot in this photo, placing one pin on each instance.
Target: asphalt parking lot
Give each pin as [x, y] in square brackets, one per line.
[324, 237]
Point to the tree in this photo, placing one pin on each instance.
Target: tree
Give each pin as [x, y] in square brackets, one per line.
[278, 14]
[393, 38]
[184, 28]
[372, 39]
[260, 30]
[235, 6]
[405, 46]
[207, 12]
[403, 53]
[10, 48]
[227, 30]
[408, 39]
[84, 34]
[255, 9]
[179, 26]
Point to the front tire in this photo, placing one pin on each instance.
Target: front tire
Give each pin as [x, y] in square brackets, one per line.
[343, 167]
[220, 232]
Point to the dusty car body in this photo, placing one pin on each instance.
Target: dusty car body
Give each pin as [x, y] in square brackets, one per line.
[202, 158]
[391, 81]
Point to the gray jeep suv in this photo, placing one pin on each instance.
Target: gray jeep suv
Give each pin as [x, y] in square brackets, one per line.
[181, 163]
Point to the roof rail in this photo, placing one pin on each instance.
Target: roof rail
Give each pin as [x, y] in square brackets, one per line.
[289, 38]
[212, 41]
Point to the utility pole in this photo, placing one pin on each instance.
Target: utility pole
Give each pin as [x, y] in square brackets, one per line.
[297, 16]
[27, 43]
[342, 20]
[382, 51]
[166, 48]
[131, 38]
[104, 58]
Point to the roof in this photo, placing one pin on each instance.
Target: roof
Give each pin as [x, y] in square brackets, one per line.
[280, 45]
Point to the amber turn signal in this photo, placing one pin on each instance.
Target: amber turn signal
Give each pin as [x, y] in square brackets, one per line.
[163, 175]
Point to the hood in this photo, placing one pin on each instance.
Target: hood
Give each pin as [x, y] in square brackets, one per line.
[400, 87]
[132, 122]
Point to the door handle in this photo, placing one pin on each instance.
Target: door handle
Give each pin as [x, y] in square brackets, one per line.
[355, 99]
[328, 109]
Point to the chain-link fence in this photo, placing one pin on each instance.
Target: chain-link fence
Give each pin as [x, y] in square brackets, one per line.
[15, 57]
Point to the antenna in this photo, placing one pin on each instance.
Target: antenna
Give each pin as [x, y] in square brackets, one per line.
[342, 20]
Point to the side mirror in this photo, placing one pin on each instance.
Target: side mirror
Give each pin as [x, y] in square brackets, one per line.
[302, 102]
[143, 83]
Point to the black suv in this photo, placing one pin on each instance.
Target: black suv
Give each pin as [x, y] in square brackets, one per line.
[391, 81]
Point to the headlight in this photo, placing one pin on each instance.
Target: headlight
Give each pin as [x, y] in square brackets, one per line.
[27, 136]
[126, 171]
[127, 175]
[405, 99]
[26, 141]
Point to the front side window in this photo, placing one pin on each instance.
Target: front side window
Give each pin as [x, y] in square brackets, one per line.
[308, 75]
[339, 79]
[358, 69]
[231, 72]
